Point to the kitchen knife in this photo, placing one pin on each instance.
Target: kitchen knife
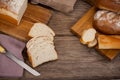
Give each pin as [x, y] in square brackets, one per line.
[18, 61]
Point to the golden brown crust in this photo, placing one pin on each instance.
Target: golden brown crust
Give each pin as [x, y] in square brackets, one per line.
[108, 42]
[30, 58]
[112, 5]
[9, 19]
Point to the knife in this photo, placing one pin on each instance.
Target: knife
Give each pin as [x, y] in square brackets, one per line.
[18, 61]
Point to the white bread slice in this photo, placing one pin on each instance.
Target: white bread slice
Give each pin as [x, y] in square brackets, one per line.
[12, 10]
[41, 54]
[41, 29]
[83, 41]
[92, 43]
[88, 35]
[39, 40]
[108, 42]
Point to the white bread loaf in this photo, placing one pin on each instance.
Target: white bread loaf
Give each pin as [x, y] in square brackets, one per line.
[12, 10]
[40, 29]
[108, 42]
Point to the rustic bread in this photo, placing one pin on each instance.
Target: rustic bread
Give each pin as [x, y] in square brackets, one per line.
[107, 22]
[108, 42]
[40, 29]
[111, 5]
[12, 10]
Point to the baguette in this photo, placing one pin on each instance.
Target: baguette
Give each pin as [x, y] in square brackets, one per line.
[108, 42]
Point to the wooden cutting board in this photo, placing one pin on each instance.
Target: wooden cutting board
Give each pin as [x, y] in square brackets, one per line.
[33, 14]
[86, 22]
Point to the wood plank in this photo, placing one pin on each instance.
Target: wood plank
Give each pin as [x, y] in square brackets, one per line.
[86, 22]
[32, 15]
[75, 62]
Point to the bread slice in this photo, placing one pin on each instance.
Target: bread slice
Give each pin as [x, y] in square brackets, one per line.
[40, 29]
[12, 10]
[40, 48]
[92, 43]
[39, 40]
[41, 53]
[88, 35]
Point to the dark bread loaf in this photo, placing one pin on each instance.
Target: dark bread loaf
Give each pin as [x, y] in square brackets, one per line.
[107, 22]
[111, 5]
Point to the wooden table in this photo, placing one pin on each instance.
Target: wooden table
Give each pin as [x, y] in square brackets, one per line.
[76, 61]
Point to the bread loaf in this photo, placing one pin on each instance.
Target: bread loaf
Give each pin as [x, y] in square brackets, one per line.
[108, 42]
[12, 10]
[107, 22]
[111, 5]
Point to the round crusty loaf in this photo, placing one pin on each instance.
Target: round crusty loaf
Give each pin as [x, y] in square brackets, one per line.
[111, 5]
[107, 22]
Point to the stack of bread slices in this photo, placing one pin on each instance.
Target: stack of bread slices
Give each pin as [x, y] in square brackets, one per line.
[40, 48]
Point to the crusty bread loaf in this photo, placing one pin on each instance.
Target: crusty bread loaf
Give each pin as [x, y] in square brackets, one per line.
[111, 5]
[108, 42]
[12, 10]
[40, 29]
[40, 48]
[107, 22]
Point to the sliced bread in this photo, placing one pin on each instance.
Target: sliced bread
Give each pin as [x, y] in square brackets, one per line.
[40, 29]
[40, 48]
[41, 53]
[39, 40]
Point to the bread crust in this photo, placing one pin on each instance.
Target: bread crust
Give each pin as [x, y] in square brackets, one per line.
[12, 10]
[107, 22]
[109, 42]
[9, 19]
[112, 5]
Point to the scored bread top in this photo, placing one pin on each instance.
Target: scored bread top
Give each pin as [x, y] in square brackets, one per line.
[107, 22]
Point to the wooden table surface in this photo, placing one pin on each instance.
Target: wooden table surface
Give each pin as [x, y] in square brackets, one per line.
[76, 61]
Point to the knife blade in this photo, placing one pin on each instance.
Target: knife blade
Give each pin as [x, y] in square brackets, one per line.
[18, 61]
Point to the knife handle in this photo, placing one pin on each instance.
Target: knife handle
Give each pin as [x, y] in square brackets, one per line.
[2, 49]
